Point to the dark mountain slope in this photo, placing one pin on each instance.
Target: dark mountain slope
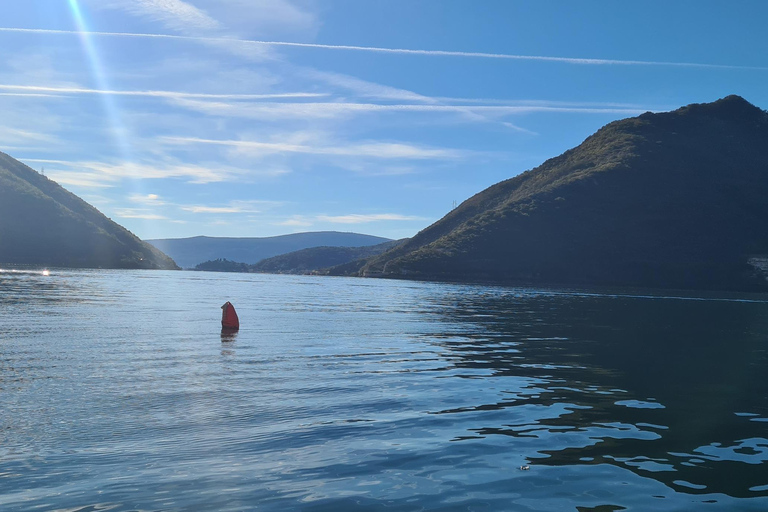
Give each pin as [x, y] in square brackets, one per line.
[189, 252]
[43, 224]
[675, 199]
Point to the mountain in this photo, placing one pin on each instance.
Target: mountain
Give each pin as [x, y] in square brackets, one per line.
[310, 260]
[43, 224]
[189, 252]
[672, 200]
[305, 261]
[223, 265]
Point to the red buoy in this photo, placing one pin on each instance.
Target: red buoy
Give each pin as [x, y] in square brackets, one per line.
[229, 318]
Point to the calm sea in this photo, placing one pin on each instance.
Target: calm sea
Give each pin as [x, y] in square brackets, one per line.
[118, 392]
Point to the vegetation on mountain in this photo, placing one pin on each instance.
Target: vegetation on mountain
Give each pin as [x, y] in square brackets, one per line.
[188, 252]
[315, 259]
[672, 200]
[43, 224]
[222, 265]
[305, 261]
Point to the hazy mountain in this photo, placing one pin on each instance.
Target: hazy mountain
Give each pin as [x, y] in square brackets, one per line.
[189, 252]
[310, 260]
[43, 224]
[305, 261]
[676, 200]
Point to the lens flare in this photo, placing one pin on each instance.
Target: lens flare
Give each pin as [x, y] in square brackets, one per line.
[99, 74]
[119, 132]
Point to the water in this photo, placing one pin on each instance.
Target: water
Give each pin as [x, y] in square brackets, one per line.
[118, 392]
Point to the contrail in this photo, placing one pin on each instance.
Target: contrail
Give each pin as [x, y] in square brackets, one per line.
[397, 51]
[38, 90]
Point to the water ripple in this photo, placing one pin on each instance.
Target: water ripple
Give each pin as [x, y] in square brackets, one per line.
[119, 393]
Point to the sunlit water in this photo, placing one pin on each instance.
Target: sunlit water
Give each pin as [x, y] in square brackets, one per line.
[118, 392]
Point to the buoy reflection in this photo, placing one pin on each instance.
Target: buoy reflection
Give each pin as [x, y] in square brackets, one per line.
[228, 336]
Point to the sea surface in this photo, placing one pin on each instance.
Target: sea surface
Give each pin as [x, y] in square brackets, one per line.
[119, 392]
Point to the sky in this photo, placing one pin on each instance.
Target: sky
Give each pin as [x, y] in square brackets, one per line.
[179, 118]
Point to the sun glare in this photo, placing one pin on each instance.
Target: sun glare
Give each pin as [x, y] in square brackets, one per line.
[98, 72]
[119, 132]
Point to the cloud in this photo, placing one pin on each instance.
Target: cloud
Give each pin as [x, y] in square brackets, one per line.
[147, 199]
[174, 14]
[334, 110]
[384, 150]
[366, 218]
[263, 17]
[364, 88]
[303, 221]
[16, 135]
[217, 209]
[108, 174]
[81, 179]
[399, 51]
[296, 221]
[29, 95]
[254, 206]
[37, 90]
[133, 170]
[134, 213]
[104, 174]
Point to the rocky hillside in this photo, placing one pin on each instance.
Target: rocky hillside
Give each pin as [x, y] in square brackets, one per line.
[672, 200]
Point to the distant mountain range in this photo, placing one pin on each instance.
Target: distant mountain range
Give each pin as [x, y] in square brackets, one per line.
[189, 252]
[672, 200]
[305, 261]
[42, 224]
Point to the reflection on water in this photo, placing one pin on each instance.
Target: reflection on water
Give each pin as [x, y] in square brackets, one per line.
[228, 336]
[120, 392]
[672, 390]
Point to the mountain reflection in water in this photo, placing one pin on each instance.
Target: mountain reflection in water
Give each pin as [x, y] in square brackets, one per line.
[672, 389]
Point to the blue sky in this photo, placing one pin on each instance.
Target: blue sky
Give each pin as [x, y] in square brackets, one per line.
[263, 117]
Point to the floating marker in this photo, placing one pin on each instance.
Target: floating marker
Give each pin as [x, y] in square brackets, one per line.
[229, 320]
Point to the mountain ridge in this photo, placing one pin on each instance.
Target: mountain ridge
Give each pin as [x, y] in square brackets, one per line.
[191, 251]
[671, 200]
[41, 223]
[313, 260]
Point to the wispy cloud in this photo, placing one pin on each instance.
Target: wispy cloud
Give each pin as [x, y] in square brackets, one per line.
[336, 109]
[231, 207]
[355, 218]
[106, 174]
[15, 135]
[146, 199]
[81, 179]
[385, 150]
[171, 13]
[297, 221]
[364, 88]
[304, 221]
[29, 95]
[400, 51]
[39, 90]
[153, 201]
[263, 17]
[137, 213]
[134, 170]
